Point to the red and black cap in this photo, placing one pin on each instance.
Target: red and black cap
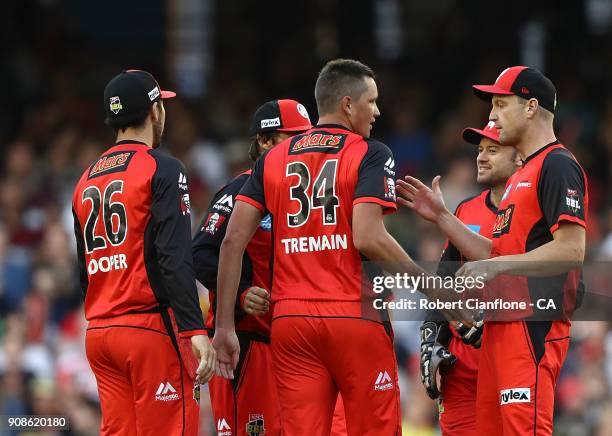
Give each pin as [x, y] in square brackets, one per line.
[280, 116]
[473, 136]
[523, 81]
[129, 96]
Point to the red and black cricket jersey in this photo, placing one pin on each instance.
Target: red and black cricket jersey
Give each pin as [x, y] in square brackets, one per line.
[478, 213]
[255, 262]
[550, 188]
[309, 184]
[132, 225]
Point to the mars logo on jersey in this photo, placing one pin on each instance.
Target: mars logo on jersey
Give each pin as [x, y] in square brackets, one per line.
[111, 163]
[503, 221]
[213, 223]
[332, 143]
[572, 201]
[255, 425]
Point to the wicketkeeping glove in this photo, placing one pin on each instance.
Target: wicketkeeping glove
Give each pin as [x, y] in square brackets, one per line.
[433, 356]
[472, 335]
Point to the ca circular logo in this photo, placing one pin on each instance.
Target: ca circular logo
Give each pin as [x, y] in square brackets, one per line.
[303, 112]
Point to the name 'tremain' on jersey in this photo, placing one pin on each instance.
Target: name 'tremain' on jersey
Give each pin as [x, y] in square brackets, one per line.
[309, 184]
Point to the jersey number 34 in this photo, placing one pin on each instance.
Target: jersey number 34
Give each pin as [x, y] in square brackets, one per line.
[323, 194]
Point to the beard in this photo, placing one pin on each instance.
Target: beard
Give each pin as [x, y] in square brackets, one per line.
[158, 132]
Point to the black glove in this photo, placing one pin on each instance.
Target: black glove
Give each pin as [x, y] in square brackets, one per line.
[472, 335]
[433, 355]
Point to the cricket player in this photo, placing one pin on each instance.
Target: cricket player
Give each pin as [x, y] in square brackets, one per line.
[247, 405]
[132, 227]
[459, 346]
[327, 190]
[538, 243]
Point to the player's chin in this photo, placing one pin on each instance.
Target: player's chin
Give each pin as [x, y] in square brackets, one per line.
[483, 177]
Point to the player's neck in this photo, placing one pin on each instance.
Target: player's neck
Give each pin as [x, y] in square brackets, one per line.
[137, 135]
[496, 194]
[535, 139]
[334, 119]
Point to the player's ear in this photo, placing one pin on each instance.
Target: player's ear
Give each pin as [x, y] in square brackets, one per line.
[346, 105]
[531, 107]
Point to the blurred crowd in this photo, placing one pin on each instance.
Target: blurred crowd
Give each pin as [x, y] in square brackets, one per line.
[51, 129]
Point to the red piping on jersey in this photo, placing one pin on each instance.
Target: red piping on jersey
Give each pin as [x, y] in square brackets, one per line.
[252, 202]
[190, 333]
[573, 219]
[385, 204]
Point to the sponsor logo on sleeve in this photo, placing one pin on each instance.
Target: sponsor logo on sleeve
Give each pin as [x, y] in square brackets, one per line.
[515, 395]
[523, 184]
[224, 204]
[213, 222]
[389, 188]
[185, 204]
[182, 182]
[389, 167]
[572, 201]
[266, 223]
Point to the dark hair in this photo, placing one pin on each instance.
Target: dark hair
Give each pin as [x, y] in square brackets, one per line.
[135, 120]
[255, 149]
[339, 78]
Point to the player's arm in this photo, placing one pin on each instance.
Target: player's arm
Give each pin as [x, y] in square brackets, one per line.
[80, 246]
[429, 204]
[210, 234]
[242, 225]
[375, 195]
[561, 193]
[172, 240]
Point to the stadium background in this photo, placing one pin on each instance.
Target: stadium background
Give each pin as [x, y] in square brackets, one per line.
[224, 58]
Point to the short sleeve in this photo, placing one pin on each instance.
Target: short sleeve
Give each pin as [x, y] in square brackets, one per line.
[376, 178]
[253, 190]
[562, 190]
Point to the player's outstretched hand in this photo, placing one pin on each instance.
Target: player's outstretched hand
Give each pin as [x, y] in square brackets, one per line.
[206, 355]
[228, 350]
[426, 202]
[256, 301]
[483, 270]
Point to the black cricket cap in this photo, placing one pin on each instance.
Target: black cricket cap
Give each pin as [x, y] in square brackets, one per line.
[523, 81]
[129, 96]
